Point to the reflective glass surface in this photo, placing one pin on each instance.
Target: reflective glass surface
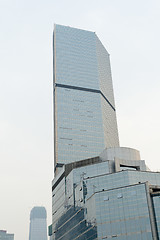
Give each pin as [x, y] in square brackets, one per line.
[156, 202]
[91, 203]
[79, 125]
[76, 61]
[84, 114]
[123, 213]
[120, 179]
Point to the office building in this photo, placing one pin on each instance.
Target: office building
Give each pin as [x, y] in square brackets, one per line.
[6, 236]
[84, 109]
[38, 224]
[107, 193]
[113, 195]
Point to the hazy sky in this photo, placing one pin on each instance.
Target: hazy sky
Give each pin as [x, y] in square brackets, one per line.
[130, 31]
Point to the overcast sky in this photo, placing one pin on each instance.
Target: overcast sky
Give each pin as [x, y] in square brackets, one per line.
[130, 31]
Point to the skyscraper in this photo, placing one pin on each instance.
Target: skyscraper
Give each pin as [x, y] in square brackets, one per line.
[84, 108]
[105, 191]
[38, 224]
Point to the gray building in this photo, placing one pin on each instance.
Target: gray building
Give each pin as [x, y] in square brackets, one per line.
[110, 192]
[6, 236]
[38, 224]
[84, 109]
[113, 195]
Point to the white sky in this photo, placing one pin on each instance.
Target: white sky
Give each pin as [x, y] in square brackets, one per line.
[130, 31]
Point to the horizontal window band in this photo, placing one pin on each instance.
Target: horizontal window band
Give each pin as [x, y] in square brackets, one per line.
[85, 90]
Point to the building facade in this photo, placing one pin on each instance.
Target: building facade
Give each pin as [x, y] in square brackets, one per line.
[113, 195]
[6, 236]
[84, 109]
[100, 190]
[38, 224]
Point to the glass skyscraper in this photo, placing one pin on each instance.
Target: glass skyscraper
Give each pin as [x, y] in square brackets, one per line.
[38, 224]
[100, 190]
[84, 108]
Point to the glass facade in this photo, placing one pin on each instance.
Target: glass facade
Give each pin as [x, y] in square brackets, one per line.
[120, 179]
[38, 224]
[100, 191]
[91, 203]
[84, 109]
[156, 203]
[123, 214]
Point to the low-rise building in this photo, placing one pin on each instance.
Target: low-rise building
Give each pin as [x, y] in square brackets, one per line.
[6, 236]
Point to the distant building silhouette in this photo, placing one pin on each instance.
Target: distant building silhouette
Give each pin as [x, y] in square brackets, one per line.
[6, 236]
[38, 225]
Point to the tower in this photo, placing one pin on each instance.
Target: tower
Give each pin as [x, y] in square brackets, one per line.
[84, 109]
[38, 225]
[100, 190]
